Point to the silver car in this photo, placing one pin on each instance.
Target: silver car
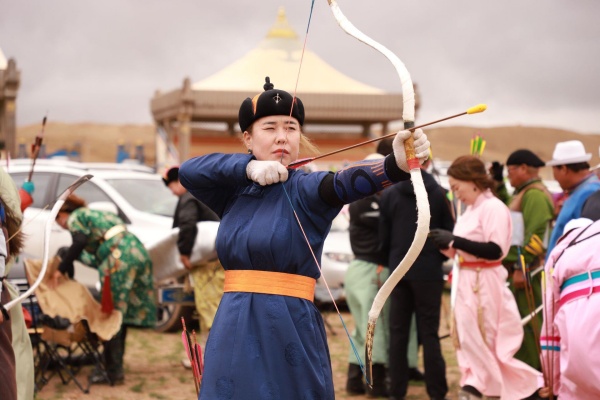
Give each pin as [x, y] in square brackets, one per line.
[133, 192]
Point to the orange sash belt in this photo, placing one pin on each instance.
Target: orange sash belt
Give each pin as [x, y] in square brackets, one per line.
[266, 282]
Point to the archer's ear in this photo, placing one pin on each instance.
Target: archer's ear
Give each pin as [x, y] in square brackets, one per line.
[247, 138]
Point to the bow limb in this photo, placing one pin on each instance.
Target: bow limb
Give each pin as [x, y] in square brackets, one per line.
[47, 232]
[408, 115]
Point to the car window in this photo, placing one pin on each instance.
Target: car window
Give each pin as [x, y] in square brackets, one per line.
[147, 195]
[89, 191]
[41, 181]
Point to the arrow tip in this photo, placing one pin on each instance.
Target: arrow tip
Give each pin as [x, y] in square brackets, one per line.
[477, 109]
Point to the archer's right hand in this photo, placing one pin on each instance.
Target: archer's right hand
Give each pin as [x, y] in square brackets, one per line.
[420, 143]
[266, 172]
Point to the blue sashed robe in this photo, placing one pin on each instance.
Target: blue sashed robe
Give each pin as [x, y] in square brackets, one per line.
[264, 346]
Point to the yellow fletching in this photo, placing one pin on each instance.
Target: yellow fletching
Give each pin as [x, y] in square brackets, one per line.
[532, 250]
[535, 238]
[536, 243]
[477, 109]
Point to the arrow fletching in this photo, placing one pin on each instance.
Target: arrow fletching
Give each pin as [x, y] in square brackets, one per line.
[477, 109]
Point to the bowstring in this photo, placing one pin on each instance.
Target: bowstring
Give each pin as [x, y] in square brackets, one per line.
[360, 362]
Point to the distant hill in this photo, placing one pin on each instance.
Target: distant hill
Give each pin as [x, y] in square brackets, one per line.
[98, 142]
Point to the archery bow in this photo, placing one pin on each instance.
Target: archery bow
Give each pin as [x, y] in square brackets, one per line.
[37, 145]
[408, 115]
[47, 232]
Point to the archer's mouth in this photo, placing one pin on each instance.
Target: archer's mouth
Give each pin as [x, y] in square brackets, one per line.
[281, 151]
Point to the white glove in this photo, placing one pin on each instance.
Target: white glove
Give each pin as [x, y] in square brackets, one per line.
[266, 172]
[421, 148]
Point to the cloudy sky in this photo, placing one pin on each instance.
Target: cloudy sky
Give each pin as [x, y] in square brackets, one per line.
[534, 62]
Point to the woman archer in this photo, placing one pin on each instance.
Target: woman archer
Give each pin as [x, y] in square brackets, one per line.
[268, 339]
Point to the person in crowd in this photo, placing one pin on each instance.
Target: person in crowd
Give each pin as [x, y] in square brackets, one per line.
[273, 225]
[571, 310]
[487, 319]
[571, 168]
[20, 336]
[592, 204]
[13, 345]
[365, 275]
[533, 206]
[101, 241]
[420, 291]
[207, 277]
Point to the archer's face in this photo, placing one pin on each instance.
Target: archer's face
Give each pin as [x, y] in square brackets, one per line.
[274, 138]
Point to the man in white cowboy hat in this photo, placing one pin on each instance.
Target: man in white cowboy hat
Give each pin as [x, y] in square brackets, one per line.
[571, 168]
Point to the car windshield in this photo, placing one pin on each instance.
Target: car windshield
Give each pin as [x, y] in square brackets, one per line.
[148, 195]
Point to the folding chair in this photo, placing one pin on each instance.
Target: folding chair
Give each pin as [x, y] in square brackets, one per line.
[56, 350]
[62, 331]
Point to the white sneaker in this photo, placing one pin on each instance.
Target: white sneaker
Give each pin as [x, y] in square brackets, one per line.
[186, 363]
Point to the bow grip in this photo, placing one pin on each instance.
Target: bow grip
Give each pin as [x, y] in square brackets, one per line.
[409, 147]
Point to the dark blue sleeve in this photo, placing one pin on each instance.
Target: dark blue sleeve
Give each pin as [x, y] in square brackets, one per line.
[215, 178]
[364, 178]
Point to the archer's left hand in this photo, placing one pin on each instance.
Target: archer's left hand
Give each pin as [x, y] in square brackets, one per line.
[421, 147]
[441, 237]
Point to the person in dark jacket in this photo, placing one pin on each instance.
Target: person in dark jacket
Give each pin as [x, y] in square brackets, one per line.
[420, 291]
[365, 275]
[207, 277]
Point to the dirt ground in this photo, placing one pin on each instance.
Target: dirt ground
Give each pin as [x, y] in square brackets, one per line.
[153, 367]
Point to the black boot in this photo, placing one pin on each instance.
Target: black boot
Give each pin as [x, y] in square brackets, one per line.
[379, 388]
[114, 350]
[415, 375]
[355, 384]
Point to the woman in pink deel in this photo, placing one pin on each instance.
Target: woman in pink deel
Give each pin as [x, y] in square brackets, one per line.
[488, 324]
[571, 333]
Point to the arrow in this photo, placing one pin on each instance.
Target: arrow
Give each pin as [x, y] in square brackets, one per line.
[298, 163]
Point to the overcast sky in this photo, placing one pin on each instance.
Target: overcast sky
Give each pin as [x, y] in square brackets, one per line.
[534, 62]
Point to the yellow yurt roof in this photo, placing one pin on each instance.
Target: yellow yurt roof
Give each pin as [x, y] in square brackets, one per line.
[278, 56]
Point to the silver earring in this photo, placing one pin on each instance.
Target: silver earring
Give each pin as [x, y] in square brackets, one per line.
[249, 151]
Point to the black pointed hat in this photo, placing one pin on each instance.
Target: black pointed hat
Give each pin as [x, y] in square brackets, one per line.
[270, 102]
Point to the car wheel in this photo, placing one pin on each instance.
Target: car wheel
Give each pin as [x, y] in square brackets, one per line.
[168, 317]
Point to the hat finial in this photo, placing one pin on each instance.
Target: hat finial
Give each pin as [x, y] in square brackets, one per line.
[268, 85]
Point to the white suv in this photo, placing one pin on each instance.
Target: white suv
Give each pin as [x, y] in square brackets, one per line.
[133, 192]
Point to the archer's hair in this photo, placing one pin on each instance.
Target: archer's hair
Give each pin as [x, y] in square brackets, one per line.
[72, 203]
[471, 169]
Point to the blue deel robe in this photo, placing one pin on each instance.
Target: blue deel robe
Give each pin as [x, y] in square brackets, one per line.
[572, 207]
[264, 346]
